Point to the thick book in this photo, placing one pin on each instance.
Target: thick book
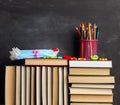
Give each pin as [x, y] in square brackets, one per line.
[89, 71]
[101, 64]
[90, 85]
[90, 98]
[38, 85]
[55, 85]
[90, 103]
[90, 91]
[46, 62]
[91, 79]
[18, 72]
[10, 85]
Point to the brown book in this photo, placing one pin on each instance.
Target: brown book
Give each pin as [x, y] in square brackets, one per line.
[32, 85]
[10, 85]
[49, 86]
[90, 98]
[90, 85]
[91, 79]
[91, 104]
[61, 86]
[28, 85]
[23, 85]
[46, 62]
[18, 71]
[55, 85]
[44, 85]
[65, 86]
[89, 71]
[90, 91]
[38, 85]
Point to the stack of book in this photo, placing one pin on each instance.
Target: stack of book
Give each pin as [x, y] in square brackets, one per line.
[90, 82]
[37, 82]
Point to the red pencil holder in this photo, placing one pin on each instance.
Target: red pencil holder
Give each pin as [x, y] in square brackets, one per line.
[88, 48]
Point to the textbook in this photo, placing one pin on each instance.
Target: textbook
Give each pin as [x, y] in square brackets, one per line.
[18, 80]
[90, 98]
[90, 85]
[46, 62]
[89, 71]
[33, 86]
[90, 103]
[38, 85]
[91, 79]
[55, 85]
[101, 64]
[49, 83]
[90, 91]
[10, 85]
[28, 92]
[44, 85]
[23, 85]
[61, 86]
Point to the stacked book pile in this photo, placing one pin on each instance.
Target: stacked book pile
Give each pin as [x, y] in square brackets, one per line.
[37, 82]
[90, 82]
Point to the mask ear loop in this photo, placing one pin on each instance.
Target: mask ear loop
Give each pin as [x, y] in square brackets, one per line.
[36, 52]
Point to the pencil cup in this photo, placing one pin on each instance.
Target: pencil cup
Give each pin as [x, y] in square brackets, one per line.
[88, 48]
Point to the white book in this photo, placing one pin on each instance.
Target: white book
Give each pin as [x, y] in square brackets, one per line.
[38, 85]
[102, 64]
[44, 88]
[61, 88]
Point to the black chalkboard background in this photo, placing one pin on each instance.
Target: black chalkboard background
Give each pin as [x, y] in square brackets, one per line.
[31, 24]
